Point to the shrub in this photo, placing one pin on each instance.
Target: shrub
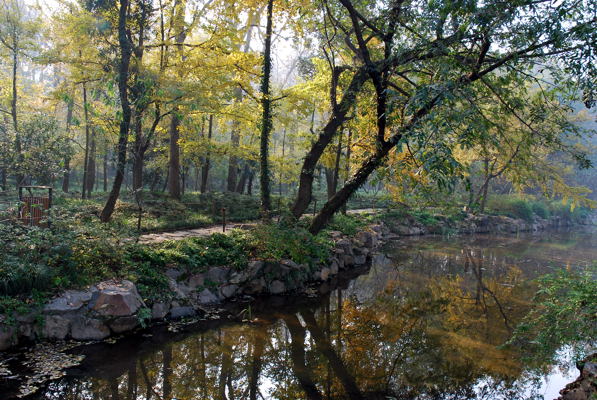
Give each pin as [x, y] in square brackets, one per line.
[347, 224]
[511, 206]
[278, 242]
[540, 209]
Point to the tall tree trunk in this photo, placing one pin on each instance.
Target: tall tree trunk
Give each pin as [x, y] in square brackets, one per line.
[205, 167]
[250, 183]
[266, 120]
[69, 119]
[138, 155]
[86, 155]
[174, 188]
[174, 160]
[326, 135]
[242, 182]
[232, 177]
[485, 188]
[3, 178]
[14, 114]
[233, 160]
[123, 74]
[91, 162]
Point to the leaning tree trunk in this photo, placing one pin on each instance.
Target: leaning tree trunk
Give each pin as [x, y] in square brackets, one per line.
[266, 120]
[326, 135]
[123, 74]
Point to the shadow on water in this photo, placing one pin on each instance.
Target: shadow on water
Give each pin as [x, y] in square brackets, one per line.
[424, 322]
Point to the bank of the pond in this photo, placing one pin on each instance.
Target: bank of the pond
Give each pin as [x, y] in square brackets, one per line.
[115, 306]
[123, 305]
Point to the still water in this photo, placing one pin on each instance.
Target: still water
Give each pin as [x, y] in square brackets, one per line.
[423, 322]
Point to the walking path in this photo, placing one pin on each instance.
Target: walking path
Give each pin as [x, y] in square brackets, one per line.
[158, 237]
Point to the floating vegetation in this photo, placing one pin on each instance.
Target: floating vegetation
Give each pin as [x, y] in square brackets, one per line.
[46, 362]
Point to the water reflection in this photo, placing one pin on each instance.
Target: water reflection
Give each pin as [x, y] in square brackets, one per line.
[424, 323]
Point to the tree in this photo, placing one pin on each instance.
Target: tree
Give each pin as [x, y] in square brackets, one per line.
[125, 48]
[18, 32]
[266, 120]
[422, 59]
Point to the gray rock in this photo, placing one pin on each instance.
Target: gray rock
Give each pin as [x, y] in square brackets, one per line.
[277, 287]
[84, 328]
[228, 291]
[70, 301]
[348, 260]
[195, 281]
[360, 260]
[182, 311]
[207, 297]
[179, 290]
[56, 327]
[124, 324]
[345, 245]
[217, 274]
[159, 310]
[334, 267]
[324, 274]
[256, 286]
[116, 299]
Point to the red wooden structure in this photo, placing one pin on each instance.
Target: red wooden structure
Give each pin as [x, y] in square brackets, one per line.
[34, 208]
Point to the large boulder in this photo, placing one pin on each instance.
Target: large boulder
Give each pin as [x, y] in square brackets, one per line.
[217, 275]
[159, 310]
[56, 327]
[277, 287]
[84, 328]
[116, 299]
[69, 302]
[207, 297]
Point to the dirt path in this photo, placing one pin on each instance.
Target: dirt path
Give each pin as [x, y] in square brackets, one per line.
[158, 237]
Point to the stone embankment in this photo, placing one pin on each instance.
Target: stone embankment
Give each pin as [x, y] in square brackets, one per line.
[409, 226]
[115, 307]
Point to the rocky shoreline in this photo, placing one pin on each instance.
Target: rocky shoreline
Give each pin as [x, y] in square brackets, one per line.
[115, 307]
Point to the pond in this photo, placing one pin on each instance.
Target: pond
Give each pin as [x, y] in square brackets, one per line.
[424, 322]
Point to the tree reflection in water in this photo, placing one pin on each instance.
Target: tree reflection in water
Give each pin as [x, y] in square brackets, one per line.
[426, 325]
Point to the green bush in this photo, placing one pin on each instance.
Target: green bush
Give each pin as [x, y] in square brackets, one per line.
[540, 209]
[511, 206]
[273, 241]
[347, 224]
